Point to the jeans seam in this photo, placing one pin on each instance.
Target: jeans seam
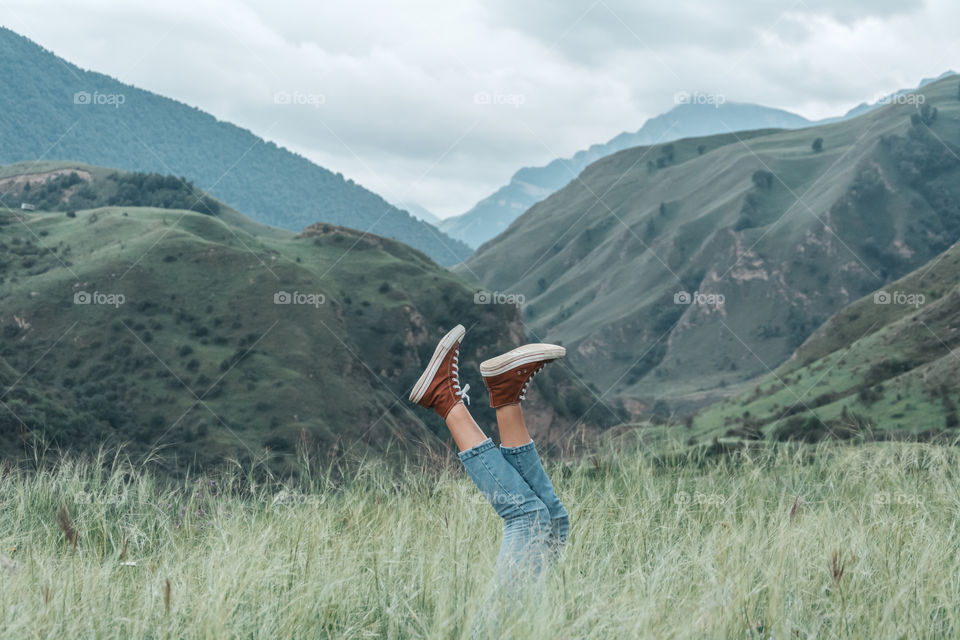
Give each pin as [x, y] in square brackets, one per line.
[494, 476]
[517, 452]
[522, 470]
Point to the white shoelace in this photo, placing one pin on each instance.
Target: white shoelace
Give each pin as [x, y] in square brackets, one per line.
[523, 392]
[462, 393]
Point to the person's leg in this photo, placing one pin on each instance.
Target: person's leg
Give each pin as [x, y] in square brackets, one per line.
[526, 524]
[507, 378]
[464, 429]
[513, 496]
[512, 427]
[526, 518]
[520, 453]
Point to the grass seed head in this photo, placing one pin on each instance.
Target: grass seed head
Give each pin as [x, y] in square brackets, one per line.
[66, 525]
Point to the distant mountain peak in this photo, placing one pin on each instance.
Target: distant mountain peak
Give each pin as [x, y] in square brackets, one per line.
[419, 212]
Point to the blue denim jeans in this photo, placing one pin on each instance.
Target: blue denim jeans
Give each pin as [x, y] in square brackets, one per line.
[513, 481]
[526, 461]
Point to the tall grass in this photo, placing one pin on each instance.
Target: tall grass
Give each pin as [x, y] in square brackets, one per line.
[786, 542]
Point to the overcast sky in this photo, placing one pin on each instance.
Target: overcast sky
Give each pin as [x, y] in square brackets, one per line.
[440, 101]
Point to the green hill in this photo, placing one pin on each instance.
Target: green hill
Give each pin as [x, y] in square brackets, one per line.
[166, 328]
[53, 110]
[787, 232]
[884, 366]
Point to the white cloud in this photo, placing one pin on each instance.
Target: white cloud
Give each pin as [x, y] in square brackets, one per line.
[398, 81]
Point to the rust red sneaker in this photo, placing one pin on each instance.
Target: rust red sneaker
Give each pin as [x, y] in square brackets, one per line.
[507, 376]
[439, 386]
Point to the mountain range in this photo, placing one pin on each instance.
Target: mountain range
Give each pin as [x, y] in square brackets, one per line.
[727, 256]
[493, 214]
[51, 109]
[696, 115]
[678, 271]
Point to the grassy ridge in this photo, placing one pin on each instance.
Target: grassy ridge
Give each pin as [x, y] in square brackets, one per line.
[97, 179]
[199, 353]
[790, 542]
[885, 365]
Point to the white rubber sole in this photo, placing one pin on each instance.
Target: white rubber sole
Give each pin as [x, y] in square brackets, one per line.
[453, 337]
[527, 354]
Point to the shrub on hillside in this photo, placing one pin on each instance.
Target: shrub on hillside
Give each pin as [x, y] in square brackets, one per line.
[868, 186]
[926, 115]
[762, 179]
[69, 192]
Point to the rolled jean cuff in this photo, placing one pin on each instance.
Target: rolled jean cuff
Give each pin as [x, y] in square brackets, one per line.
[515, 451]
[486, 445]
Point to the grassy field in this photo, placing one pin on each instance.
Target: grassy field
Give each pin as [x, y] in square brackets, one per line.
[780, 542]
